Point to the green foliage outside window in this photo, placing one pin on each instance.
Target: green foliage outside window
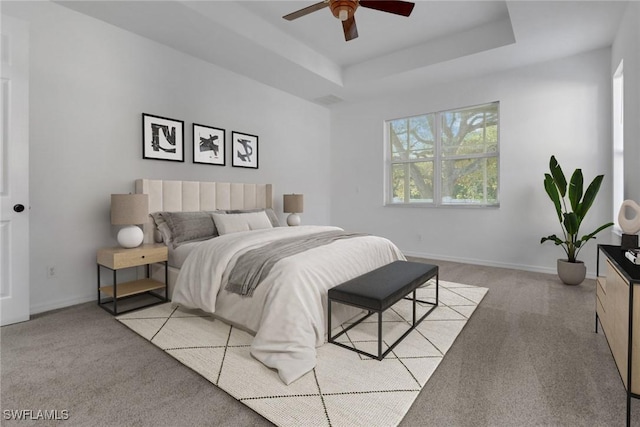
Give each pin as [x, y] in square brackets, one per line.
[459, 147]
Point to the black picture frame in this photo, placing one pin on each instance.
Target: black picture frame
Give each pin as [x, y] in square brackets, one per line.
[244, 150]
[162, 138]
[209, 145]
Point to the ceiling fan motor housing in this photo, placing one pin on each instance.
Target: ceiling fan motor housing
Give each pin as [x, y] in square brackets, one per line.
[343, 9]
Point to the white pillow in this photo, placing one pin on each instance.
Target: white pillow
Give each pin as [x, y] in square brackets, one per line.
[232, 223]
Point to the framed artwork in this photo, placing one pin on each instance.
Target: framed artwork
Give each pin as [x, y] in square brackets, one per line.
[244, 149]
[208, 145]
[162, 138]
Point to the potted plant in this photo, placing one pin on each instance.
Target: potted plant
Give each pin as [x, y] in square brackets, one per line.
[571, 271]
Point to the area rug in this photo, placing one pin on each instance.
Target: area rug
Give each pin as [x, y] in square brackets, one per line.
[345, 388]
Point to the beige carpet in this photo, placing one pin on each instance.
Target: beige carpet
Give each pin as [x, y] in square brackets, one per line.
[345, 388]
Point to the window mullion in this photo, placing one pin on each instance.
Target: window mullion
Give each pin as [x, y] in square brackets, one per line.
[407, 166]
[437, 161]
[485, 187]
[472, 156]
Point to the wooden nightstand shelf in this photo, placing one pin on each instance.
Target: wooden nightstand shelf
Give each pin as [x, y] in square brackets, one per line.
[119, 258]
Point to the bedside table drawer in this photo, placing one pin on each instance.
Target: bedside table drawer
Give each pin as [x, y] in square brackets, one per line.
[116, 258]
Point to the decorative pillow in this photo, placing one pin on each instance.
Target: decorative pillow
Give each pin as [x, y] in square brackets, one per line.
[188, 226]
[161, 232]
[233, 223]
[273, 218]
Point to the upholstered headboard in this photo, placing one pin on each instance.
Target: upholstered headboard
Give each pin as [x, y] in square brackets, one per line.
[189, 196]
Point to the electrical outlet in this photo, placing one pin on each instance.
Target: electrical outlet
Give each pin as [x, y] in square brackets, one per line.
[51, 272]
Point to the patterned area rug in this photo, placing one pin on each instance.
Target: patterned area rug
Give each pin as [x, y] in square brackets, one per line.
[345, 388]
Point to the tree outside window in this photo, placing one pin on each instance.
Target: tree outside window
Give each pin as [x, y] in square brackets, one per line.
[445, 158]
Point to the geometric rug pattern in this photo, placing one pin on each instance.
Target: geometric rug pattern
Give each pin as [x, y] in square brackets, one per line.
[345, 388]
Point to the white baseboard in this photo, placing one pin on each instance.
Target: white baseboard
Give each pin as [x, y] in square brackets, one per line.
[63, 303]
[533, 268]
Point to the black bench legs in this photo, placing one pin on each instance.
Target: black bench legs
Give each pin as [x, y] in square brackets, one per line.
[388, 300]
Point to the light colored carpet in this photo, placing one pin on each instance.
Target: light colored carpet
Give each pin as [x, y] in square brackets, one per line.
[345, 388]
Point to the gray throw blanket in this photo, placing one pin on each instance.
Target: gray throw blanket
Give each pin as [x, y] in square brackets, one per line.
[254, 265]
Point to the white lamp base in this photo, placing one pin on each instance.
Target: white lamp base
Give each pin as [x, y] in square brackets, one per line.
[130, 236]
[293, 220]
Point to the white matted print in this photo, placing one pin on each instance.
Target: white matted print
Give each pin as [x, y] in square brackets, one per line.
[208, 145]
[162, 138]
[244, 150]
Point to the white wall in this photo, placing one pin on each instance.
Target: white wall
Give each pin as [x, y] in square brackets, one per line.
[89, 84]
[91, 81]
[625, 47]
[560, 107]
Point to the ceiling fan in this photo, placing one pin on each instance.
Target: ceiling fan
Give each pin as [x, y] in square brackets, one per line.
[344, 10]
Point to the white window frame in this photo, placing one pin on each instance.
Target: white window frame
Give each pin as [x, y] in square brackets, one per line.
[618, 144]
[437, 163]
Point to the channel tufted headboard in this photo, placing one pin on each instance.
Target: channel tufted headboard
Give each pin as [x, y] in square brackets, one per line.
[189, 196]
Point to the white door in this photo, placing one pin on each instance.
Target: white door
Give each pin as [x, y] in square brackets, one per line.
[14, 172]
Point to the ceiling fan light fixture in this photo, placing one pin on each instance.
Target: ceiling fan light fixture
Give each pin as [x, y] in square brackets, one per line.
[343, 9]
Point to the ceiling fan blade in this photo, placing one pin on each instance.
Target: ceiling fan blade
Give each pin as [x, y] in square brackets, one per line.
[350, 29]
[305, 11]
[403, 8]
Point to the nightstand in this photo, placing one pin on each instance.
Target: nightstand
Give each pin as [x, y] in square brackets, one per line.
[120, 258]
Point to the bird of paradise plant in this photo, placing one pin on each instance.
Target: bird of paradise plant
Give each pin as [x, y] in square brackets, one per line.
[555, 184]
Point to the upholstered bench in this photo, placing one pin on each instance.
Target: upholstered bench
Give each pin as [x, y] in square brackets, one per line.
[378, 290]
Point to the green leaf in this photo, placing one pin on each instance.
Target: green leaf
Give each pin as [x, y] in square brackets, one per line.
[592, 235]
[575, 189]
[552, 191]
[558, 176]
[589, 196]
[571, 223]
[552, 238]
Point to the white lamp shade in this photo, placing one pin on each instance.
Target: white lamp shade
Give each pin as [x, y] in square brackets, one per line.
[130, 236]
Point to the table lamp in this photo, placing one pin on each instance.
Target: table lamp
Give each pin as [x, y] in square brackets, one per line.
[293, 204]
[129, 210]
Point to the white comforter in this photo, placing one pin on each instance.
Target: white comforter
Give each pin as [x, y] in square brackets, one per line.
[287, 312]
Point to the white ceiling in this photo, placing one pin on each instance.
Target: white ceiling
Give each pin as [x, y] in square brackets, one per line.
[380, 33]
[308, 57]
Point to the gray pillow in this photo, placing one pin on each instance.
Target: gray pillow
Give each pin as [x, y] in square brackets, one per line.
[188, 226]
[273, 218]
[161, 232]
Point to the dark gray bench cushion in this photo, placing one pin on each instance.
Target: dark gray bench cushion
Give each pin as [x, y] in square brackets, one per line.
[381, 288]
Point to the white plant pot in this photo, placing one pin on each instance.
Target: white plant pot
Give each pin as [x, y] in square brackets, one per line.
[571, 273]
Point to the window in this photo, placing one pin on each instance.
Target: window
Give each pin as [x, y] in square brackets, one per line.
[618, 142]
[448, 158]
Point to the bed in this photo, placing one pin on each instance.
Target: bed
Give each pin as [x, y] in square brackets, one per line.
[194, 196]
[285, 307]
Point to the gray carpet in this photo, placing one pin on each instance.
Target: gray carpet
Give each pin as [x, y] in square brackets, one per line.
[528, 356]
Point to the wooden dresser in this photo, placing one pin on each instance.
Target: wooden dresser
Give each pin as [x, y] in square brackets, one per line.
[618, 310]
